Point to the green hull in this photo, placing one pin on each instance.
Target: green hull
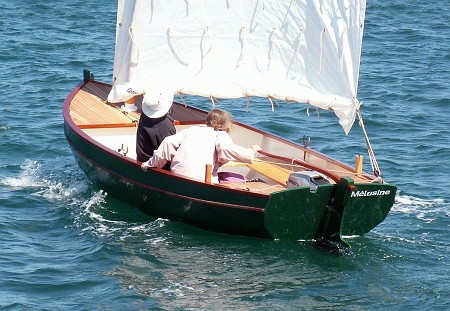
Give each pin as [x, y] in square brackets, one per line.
[294, 214]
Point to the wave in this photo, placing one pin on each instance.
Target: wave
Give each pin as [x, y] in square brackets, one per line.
[63, 185]
[90, 219]
[424, 209]
[97, 214]
[32, 176]
[27, 178]
[406, 200]
[99, 218]
[92, 211]
[4, 127]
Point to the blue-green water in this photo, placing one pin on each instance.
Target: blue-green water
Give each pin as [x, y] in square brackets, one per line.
[66, 245]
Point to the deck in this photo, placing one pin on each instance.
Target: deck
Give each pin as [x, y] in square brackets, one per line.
[90, 109]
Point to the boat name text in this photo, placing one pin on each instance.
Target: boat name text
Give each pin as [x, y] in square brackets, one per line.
[366, 193]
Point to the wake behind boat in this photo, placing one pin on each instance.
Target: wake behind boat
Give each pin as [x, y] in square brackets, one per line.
[296, 52]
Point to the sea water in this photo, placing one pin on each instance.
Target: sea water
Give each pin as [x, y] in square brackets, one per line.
[68, 245]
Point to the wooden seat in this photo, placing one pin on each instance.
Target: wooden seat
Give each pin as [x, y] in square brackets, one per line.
[273, 171]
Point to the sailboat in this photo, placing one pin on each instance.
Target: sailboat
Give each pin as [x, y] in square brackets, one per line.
[302, 52]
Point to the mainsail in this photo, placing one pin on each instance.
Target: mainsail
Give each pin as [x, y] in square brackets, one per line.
[298, 50]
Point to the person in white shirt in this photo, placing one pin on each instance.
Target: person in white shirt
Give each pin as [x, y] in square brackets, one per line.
[190, 150]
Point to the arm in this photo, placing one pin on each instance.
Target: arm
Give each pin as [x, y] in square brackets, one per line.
[165, 151]
[228, 151]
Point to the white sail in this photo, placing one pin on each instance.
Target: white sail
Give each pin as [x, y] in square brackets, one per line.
[297, 50]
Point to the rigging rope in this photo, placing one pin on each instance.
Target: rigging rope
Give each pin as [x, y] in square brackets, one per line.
[173, 43]
[321, 50]
[373, 160]
[242, 41]
[271, 47]
[130, 32]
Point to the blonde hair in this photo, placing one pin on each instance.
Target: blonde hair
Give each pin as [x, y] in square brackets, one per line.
[220, 120]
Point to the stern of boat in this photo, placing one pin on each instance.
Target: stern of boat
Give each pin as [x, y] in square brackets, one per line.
[329, 212]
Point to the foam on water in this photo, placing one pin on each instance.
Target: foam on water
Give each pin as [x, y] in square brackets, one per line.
[86, 203]
[4, 127]
[32, 176]
[407, 200]
[27, 177]
[93, 214]
[426, 210]
[89, 207]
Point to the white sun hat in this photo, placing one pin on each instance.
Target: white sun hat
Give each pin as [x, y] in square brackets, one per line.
[157, 103]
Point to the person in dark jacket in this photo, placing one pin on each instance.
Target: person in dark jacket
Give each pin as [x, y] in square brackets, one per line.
[155, 123]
